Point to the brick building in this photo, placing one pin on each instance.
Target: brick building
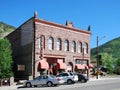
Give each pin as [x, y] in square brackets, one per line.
[40, 46]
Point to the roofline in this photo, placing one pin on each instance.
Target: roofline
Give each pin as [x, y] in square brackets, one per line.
[61, 26]
[26, 22]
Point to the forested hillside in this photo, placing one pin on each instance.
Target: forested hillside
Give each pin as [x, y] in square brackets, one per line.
[112, 47]
[5, 29]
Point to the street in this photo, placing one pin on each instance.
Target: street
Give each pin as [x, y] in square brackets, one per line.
[100, 84]
[106, 84]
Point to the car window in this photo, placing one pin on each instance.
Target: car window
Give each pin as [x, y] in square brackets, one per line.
[42, 77]
[65, 74]
[37, 77]
[60, 75]
[71, 74]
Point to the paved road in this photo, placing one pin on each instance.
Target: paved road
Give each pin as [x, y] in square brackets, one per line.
[101, 84]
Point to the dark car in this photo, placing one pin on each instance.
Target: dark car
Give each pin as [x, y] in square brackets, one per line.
[82, 78]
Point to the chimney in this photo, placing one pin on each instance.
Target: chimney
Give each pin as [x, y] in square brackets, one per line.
[35, 14]
[89, 28]
[69, 24]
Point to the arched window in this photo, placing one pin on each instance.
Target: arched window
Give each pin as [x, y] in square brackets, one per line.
[73, 49]
[79, 47]
[85, 48]
[58, 43]
[66, 45]
[50, 43]
[40, 42]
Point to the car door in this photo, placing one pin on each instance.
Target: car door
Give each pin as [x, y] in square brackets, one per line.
[40, 80]
[65, 76]
[43, 80]
[37, 81]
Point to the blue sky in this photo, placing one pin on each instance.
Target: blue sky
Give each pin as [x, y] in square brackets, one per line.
[102, 15]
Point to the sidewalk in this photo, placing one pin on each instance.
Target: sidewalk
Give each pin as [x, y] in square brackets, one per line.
[12, 87]
[107, 77]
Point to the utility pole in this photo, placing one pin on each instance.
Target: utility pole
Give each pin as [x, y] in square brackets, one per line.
[97, 58]
[97, 51]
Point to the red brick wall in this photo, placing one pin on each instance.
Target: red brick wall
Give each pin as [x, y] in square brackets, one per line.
[49, 29]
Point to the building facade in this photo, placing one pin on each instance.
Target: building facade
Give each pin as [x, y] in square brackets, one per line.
[43, 47]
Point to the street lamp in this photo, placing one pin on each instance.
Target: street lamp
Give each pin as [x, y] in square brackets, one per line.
[97, 54]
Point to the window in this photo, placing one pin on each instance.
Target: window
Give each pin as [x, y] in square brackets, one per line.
[66, 45]
[85, 48]
[77, 61]
[50, 43]
[73, 49]
[79, 47]
[58, 44]
[85, 62]
[42, 42]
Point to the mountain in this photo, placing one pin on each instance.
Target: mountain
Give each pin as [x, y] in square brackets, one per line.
[5, 29]
[111, 47]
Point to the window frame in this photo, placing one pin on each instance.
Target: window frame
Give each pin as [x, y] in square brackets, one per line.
[79, 47]
[66, 45]
[50, 43]
[73, 46]
[58, 44]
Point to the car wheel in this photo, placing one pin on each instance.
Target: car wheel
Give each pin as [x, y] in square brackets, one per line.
[69, 81]
[82, 80]
[49, 84]
[28, 84]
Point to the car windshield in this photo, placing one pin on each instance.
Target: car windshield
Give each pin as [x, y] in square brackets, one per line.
[71, 74]
[51, 76]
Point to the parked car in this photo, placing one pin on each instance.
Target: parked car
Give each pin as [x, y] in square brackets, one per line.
[44, 80]
[68, 77]
[82, 78]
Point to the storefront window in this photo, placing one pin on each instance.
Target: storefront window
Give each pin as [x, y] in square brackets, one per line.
[85, 62]
[77, 61]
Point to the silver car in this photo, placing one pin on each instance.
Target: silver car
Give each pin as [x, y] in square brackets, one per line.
[44, 80]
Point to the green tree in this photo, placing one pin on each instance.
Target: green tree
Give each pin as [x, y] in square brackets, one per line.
[117, 70]
[108, 62]
[5, 59]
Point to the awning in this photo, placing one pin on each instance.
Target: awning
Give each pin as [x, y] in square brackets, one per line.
[43, 64]
[91, 66]
[61, 65]
[86, 67]
[79, 66]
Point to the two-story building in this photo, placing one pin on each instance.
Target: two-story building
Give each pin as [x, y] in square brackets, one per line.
[41, 46]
